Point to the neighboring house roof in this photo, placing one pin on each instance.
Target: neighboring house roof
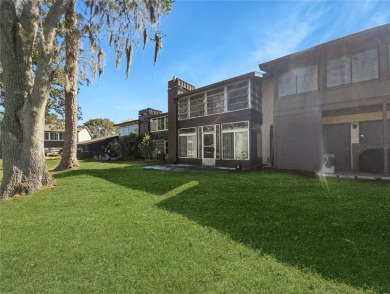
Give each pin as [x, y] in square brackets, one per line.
[220, 84]
[79, 129]
[83, 134]
[62, 129]
[101, 139]
[54, 128]
[128, 122]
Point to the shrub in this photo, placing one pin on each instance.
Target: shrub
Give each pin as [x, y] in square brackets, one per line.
[146, 147]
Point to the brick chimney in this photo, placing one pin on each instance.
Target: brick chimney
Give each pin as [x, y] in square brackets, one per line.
[144, 119]
[175, 87]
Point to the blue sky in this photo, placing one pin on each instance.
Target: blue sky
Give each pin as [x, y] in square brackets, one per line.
[209, 41]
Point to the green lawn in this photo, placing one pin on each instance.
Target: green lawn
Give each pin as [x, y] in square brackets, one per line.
[116, 228]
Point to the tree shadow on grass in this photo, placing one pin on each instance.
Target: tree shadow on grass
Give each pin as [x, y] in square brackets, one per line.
[336, 231]
[135, 178]
[340, 230]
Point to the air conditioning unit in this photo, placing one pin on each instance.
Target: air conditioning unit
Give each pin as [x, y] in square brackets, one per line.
[328, 163]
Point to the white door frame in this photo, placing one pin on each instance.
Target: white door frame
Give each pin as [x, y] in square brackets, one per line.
[208, 161]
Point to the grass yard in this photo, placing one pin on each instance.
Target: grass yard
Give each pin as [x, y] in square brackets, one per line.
[116, 228]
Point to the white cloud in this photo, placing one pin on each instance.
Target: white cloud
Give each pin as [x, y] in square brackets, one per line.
[380, 19]
[281, 43]
[285, 36]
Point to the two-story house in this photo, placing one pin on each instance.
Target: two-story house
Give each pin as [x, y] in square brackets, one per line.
[332, 98]
[216, 125]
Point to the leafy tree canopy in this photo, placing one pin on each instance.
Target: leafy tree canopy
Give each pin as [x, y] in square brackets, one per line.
[31, 27]
[101, 127]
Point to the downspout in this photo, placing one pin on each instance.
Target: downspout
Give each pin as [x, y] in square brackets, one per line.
[176, 131]
[385, 141]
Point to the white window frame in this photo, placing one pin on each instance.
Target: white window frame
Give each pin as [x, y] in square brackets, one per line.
[199, 97]
[156, 122]
[195, 134]
[160, 143]
[185, 101]
[127, 130]
[234, 144]
[248, 95]
[54, 136]
[223, 100]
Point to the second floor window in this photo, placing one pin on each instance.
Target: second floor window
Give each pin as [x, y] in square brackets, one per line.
[159, 124]
[127, 130]
[54, 136]
[216, 101]
[298, 80]
[360, 67]
[240, 95]
[237, 96]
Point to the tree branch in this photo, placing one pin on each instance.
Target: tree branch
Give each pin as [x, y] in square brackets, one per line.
[7, 23]
[29, 25]
[46, 52]
[57, 10]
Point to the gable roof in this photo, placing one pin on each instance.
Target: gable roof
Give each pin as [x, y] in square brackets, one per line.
[96, 140]
[128, 122]
[362, 38]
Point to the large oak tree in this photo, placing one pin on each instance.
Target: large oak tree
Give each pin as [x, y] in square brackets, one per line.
[27, 24]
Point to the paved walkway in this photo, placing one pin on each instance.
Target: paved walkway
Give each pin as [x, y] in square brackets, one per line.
[355, 175]
[351, 175]
[189, 168]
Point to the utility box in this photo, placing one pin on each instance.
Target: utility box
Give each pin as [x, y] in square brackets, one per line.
[328, 163]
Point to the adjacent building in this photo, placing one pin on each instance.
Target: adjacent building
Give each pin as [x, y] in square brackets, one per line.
[154, 122]
[330, 99]
[158, 128]
[55, 136]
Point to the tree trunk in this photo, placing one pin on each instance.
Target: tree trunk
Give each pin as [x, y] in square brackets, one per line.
[69, 155]
[24, 169]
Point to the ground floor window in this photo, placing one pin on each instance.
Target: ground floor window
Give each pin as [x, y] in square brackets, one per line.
[161, 149]
[160, 146]
[52, 150]
[235, 141]
[187, 143]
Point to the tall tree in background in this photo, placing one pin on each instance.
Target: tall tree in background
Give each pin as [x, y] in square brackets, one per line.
[29, 23]
[101, 127]
[124, 21]
[72, 37]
